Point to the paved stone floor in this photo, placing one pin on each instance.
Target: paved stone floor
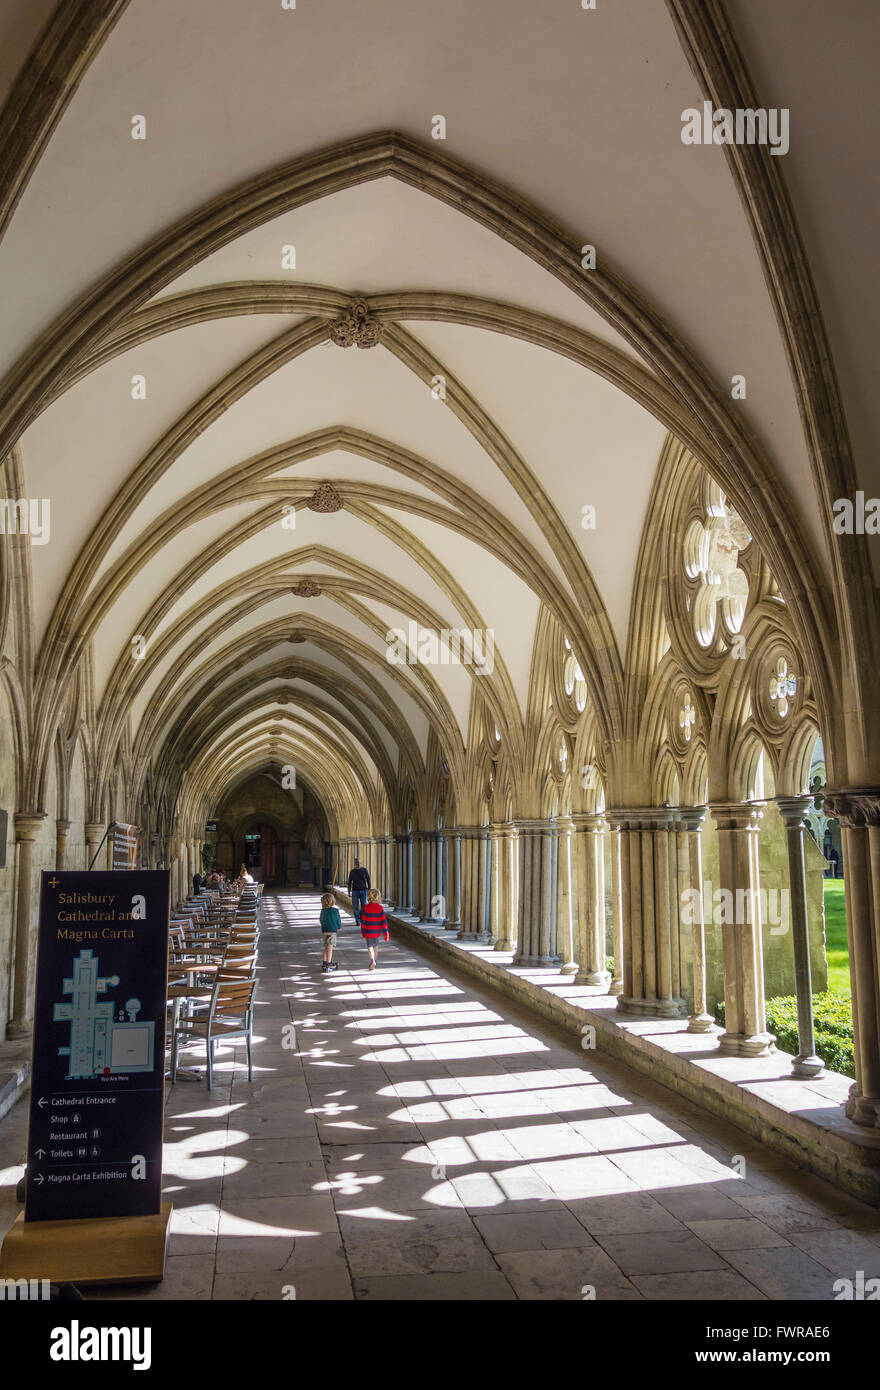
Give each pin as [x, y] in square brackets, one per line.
[414, 1137]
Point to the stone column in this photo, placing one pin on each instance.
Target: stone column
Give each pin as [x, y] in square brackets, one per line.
[27, 827]
[793, 810]
[453, 879]
[61, 829]
[475, 875]
[409, 895]
[690, 835]
[858, 811]
[496, 904]
[432, 906]
[614, 843]
[564, 876]
[590, 861]
[537, 925]
[650, 945]
[387, 874]
[508, 847]
[745, 1023]
[94, 834]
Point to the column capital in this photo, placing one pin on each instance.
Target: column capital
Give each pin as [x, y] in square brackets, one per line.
[534, 825]
[62, 826]
[691, 818]
[737, 815]
[643, 817]
[854, 807]
[793, 810]
[594, 821]
[28, 824]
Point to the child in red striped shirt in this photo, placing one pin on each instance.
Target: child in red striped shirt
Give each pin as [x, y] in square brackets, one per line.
[374, 925]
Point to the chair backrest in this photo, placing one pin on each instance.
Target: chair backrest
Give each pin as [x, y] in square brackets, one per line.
[239, 961]
[232, 998]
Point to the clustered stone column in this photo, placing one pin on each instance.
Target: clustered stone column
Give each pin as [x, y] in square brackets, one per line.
[690, 882]
[537, 921]
[404, 843]
[793, 810]
[858, 811]
[565, 891]
[452, 921]
[27, 826]
[650, 910]
[509, 847]
[739, 874]
[475, 869]
[590, 859]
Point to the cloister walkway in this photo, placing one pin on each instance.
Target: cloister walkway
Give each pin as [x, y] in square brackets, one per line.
[407, 1135]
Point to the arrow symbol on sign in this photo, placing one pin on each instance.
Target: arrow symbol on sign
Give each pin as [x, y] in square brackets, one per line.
[39, 1178]
[41, 1153]
[42, 1101]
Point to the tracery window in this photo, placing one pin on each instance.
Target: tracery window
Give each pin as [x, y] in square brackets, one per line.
[575, 684]
[711, 557]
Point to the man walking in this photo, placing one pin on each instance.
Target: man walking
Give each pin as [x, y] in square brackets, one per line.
[358, 887]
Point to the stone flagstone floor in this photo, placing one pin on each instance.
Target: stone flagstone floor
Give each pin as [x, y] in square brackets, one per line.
[413, 1136]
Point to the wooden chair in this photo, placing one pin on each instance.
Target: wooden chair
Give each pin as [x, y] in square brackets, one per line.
[239, 958]
[230, 1014]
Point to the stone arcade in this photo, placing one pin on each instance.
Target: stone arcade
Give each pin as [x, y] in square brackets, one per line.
[295, 379]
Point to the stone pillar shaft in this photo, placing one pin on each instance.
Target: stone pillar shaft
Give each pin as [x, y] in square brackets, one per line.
[590, 860]
[537, 926]
[691, 859]
[745, 1023]
[27, 827]
[61, 830]
[793, 809]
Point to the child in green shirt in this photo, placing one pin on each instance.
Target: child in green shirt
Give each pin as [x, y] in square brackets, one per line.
[330, 924]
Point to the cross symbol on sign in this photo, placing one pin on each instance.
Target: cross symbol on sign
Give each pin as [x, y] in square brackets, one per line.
[53, 882]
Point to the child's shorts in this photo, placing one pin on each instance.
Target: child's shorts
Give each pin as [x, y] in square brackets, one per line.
[329, 938]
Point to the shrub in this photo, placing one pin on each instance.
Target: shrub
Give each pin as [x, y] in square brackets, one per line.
[832, 1014]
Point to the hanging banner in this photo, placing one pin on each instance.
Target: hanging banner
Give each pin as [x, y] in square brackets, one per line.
[126, 841]
[98, 1079]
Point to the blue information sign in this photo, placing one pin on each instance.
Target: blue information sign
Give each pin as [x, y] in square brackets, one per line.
[95, 1142]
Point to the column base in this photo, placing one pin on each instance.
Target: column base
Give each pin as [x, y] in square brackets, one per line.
[593, 977]
[452, 924]
[701, 1023]
[742, 1045]
[480, 936]
[807, 1064]
[538, 962]
[16, 1029]
[570, 967]
[652, 1008]
[616, 987]
[504, 944]
[862, 1110]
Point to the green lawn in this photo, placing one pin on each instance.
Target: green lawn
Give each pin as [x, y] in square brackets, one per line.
[835, 937]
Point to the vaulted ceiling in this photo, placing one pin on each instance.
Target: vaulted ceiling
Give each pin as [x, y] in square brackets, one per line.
[197, 400]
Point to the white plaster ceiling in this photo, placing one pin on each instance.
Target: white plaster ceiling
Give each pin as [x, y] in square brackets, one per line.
[579, 111]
